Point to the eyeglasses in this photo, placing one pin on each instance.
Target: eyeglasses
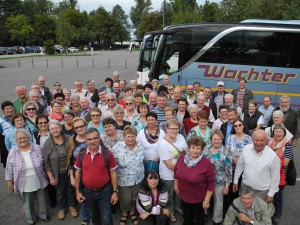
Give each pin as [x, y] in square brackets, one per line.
[56, 84]
[110, 100]
[95, 115]
[92, 139]
[173, 128]
[119, 113]
[22, 138]
[30, 109]
[223, 111]
[41, 123]
[238, 125]
[79, 127]
[128, 103]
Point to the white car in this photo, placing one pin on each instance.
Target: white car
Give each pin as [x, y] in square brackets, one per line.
[73, 49]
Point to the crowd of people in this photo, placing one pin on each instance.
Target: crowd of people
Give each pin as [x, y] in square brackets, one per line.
[155, 152]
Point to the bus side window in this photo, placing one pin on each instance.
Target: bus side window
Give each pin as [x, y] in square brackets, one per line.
[227, 50]
[262, 48]
[291, 52]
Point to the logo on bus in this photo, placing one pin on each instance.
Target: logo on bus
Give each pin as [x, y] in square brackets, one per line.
[265, 75]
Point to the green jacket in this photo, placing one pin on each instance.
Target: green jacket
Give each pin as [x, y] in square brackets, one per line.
[261, 212]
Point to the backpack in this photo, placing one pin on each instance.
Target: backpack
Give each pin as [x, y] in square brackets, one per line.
[106, 160]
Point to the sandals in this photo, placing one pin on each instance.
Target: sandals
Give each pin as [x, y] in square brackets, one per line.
[173, 219]
[123, 220]
[134, 219]
[179, 211]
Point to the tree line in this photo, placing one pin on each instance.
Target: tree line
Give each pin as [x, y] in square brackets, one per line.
[36, 22]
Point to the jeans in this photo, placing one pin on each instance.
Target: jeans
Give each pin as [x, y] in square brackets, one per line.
[61, 191]
[99, 205]
[278, 202]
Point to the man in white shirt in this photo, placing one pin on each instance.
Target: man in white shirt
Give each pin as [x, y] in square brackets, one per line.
[260, 167]
[79, 90]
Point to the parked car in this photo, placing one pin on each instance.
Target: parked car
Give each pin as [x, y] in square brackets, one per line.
[3, 51]
[10, 51]
[73, 49]
[19, 49]
[31, 49]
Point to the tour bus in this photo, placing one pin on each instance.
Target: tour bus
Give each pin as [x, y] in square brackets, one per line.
[265, 52]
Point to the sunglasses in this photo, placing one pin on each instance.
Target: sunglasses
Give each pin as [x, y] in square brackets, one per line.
[30, 109]
[128, 103]
[238, 125]
[81, 126]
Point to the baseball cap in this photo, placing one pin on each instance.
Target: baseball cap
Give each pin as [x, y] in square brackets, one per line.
[220, 83]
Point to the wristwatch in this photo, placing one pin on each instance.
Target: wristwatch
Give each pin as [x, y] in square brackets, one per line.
[116, 191]
[252, 222]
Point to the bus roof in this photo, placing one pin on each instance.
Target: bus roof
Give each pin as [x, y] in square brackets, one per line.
[284, 22]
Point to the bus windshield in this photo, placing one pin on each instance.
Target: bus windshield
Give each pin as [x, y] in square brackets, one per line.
[180, 47]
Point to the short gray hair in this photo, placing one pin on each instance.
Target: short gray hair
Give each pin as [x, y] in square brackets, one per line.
[118, 108]
[30, 103]
[277, 113]
[112, 94]
[191, 107]
[55, 122]
[90, 81]
[32, 92]
[66, 90]
[229, 95]
[22, 131]
[92, 130]
[245, 189]
[74, 96]
[285, 97]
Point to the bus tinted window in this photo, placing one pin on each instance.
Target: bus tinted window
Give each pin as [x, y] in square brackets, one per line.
[183, 45]
[248, 48]
[292, 50]
[262, 48]
[226, 50]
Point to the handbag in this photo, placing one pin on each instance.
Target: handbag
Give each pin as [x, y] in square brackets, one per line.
[291, 174]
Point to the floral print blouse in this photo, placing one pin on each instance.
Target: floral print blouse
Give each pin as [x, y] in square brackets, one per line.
[130, 164]
[222, 162]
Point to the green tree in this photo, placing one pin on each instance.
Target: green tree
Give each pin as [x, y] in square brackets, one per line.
[102, 26]
[66, 32]
[7, 9]
[292, 12]
[149, 22]
[121, 27]
[44, 26]
[185, 11]
[210, 11]
[141, 8]
[34, 8]
[19, 29]
[166, 12]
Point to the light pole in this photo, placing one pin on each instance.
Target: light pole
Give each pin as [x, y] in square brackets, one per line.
[164, 5]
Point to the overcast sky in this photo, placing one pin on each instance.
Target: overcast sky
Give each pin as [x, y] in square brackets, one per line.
[89, 5]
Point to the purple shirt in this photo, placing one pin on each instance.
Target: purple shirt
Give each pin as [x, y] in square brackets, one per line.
[16, 167]
[194, 182]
